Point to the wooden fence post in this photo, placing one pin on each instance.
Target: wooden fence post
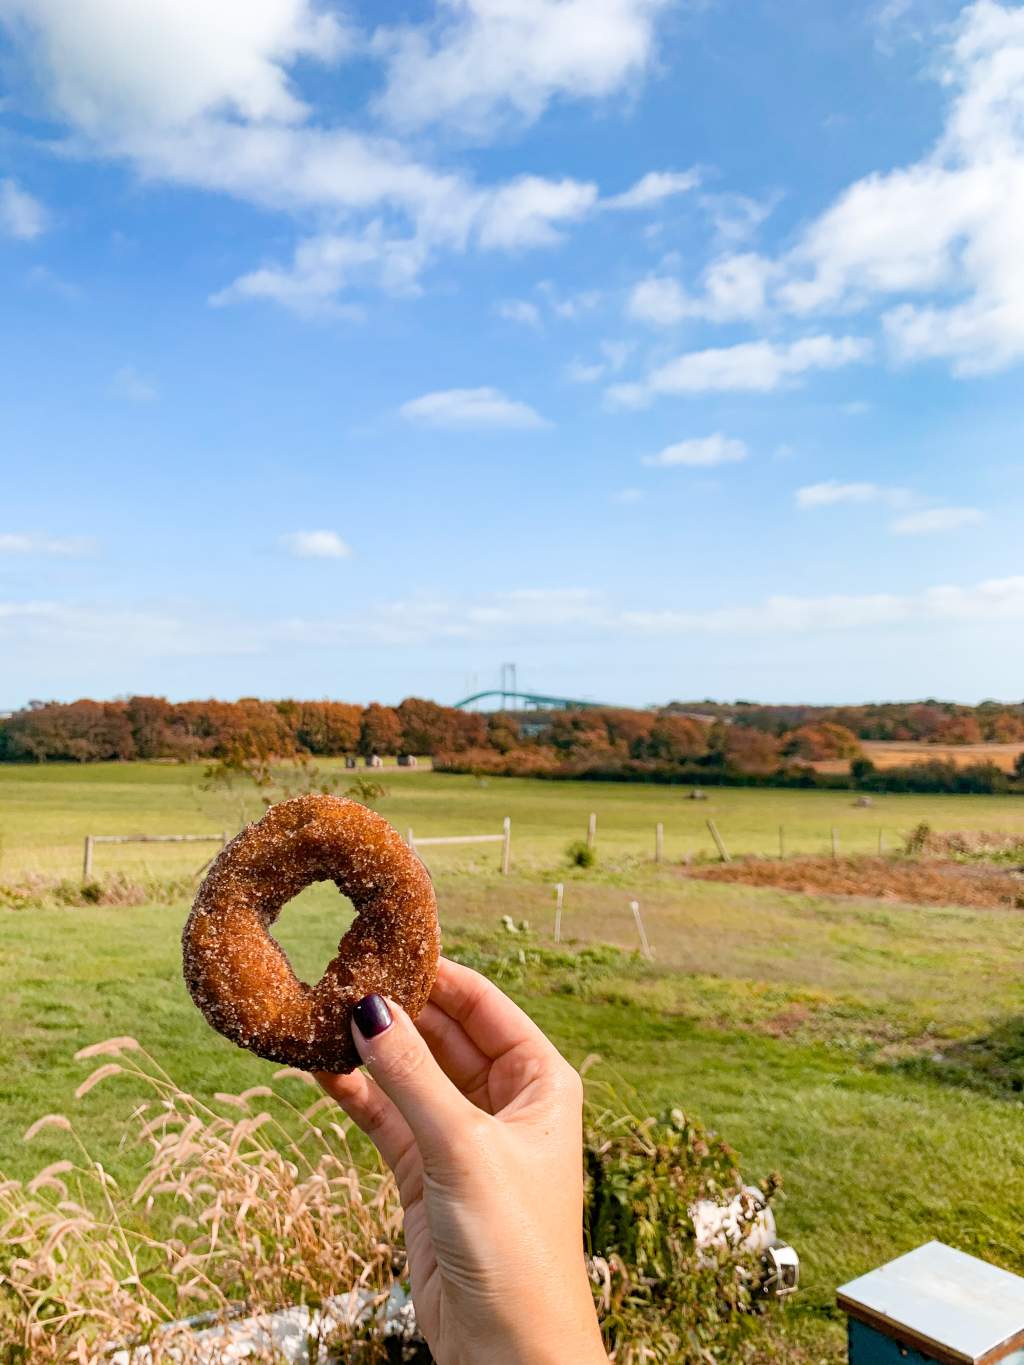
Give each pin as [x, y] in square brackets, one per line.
[559, 899]
[592, 830]
[718, 841]
[659, 841]
[225, 838]
[506, 847]
[644, 944]
[87, 859]
[410, 841]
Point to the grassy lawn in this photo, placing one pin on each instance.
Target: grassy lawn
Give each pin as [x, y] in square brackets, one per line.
[46, 810]
[868, 1050]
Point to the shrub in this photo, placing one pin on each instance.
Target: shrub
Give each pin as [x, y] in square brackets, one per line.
[366, 791]
[36, 892]
[862, 770]
[917, 840]
[581, 854]
[661, 1298]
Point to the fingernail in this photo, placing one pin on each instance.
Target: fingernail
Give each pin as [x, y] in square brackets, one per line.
[372, 1016]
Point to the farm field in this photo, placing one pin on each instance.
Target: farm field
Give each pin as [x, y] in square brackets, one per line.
[46, 810]
[871, 1051]
[899, 753]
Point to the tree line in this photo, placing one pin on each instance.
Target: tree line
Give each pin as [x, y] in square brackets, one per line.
[680, 742]
[926, 722]
[150, 727]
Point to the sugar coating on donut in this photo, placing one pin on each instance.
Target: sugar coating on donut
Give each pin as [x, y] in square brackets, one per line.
[240, 977]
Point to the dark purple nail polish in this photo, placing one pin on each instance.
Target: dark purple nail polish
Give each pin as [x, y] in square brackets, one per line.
[372, 1016]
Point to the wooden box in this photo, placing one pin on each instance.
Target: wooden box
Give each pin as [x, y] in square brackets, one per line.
[935, 1305]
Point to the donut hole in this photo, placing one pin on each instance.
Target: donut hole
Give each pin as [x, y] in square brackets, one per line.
[310, 926]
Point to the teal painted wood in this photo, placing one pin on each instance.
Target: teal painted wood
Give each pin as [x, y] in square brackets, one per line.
[868, 1347]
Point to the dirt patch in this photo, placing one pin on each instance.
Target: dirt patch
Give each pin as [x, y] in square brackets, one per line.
[919, 883]
[787, 1022]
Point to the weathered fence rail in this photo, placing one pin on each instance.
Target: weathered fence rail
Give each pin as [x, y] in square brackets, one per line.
[504, 838]
[91, 840]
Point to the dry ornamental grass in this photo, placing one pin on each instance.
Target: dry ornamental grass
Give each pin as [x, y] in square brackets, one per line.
[260, 1206]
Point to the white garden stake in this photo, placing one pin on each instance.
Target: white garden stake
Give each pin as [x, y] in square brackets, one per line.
[559, 898]
[644, 944]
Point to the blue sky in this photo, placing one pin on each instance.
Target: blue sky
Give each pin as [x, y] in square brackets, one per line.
[668, 349]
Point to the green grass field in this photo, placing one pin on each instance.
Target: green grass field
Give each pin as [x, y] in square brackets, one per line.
[870, 1051]
[45, 812]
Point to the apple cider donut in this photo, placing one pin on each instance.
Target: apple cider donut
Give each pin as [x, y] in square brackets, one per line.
[240, 977]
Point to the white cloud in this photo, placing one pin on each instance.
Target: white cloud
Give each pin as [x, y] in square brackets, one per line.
[201, 95]
[625, 497]
[484, 62]
[126, 633]
[927, 521]
[751, 366]
[483, 407]
[573, 306]
[658, 300]
[935, 520]
[776, 615]
[115, 64]
[701, 452]
[528, 211]
[832, 492]
[130, 632]
[857, 407]
[538, 607]
[22, 543]
[324, 266]
[995, 600]
[578, 372]
[736, 217]
[519, 310]
[629, 396]
[947, 225]
[21, 215]
[133, 387]
[615, 354]
[733, 287]
[652, 188]
[316, 545]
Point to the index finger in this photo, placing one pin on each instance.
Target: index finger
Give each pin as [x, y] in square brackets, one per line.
[490, 1019]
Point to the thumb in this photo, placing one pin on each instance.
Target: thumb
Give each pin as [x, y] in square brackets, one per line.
[403, 1066]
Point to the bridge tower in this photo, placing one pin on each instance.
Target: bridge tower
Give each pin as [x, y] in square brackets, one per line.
[508, 685]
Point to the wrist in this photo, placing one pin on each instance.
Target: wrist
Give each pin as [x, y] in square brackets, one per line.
[569, 1335]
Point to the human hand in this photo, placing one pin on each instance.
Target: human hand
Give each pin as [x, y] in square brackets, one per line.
[480, 1118]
